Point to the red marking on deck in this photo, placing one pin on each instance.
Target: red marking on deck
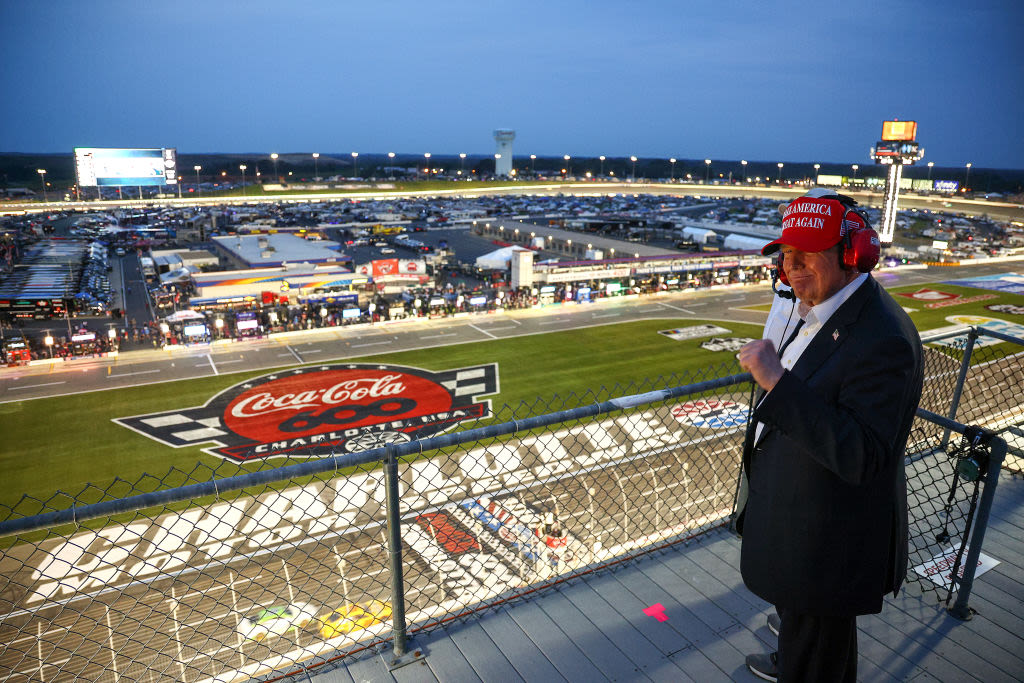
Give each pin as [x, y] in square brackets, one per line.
[657, 610]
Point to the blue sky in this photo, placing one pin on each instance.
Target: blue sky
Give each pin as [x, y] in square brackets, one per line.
[729, 79]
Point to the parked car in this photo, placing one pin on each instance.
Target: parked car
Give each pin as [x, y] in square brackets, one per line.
[275, 621]
[354, 617]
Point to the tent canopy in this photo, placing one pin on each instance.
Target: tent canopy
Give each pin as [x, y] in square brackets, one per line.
[178, 275]
[743, 242]
[498, 259]
[184, 315]
[699, 235]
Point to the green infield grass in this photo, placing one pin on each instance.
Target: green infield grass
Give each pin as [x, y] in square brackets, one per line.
[65, 443]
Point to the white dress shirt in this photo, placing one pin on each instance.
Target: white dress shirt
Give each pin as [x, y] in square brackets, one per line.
[815, 318]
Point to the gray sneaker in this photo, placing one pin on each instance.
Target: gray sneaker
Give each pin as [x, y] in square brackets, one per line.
[774, 623]
[765, 667]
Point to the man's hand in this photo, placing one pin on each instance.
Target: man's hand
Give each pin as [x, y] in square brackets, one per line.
[761, 360]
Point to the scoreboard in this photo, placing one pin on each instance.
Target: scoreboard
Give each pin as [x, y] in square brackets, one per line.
[108, 167]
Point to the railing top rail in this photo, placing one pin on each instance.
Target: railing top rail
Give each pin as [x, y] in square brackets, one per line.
[939, 335]
[1001, 336]
[929, 337]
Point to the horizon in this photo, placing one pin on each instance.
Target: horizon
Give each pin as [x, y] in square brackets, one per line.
[864, 167]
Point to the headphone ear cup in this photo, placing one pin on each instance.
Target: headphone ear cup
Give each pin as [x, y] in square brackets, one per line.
[782, 271]
[861, 250]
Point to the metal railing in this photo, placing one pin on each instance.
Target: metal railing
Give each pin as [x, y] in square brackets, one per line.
[285, 568]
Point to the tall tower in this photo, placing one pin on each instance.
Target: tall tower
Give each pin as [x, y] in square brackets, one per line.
[898, 147]
[503, 138]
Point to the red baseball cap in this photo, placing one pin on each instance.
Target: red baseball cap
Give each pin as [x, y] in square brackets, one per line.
[814, 223]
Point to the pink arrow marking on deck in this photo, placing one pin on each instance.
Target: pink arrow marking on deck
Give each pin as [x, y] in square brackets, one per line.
[657, 610]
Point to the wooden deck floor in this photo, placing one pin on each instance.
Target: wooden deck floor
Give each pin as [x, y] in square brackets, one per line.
[594, 628]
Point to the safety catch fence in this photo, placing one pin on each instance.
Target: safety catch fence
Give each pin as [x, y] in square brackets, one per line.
[281, 569]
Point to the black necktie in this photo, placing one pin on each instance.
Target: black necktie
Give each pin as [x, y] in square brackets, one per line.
[789, 341]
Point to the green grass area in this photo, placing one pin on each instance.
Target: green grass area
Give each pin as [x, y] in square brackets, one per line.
[83, 445]
[931, 318]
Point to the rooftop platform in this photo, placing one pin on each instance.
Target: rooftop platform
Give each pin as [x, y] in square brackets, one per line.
[594, 628]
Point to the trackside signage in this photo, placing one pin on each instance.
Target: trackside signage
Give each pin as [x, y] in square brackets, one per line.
[311, 412]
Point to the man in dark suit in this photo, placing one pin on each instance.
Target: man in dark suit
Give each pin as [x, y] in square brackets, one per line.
[824, 526]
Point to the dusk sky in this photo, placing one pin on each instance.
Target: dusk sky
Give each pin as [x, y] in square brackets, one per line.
[730, 79]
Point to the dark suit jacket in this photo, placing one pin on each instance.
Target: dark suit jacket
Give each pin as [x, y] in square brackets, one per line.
[825, 524]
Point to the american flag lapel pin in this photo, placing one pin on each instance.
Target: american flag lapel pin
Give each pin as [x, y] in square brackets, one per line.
[835, 335]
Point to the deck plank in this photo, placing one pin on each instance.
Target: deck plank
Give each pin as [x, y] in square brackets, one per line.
[481, 652]
[621, 631]
[444, 658]
[613, 662]
[535, 644]
[630, 609]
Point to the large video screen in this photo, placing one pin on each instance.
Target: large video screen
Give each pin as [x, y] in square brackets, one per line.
[895, 149]
[899, 130]
[108, 167]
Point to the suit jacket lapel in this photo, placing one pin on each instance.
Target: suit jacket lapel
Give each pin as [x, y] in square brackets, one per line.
[826, 342]
[834, 332]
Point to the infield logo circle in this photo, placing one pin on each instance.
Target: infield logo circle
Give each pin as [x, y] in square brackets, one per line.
[711, 413]
[315, 403]
[315, 411]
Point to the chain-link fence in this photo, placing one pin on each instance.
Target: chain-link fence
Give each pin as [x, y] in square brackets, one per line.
[989, 386]
[227, 578]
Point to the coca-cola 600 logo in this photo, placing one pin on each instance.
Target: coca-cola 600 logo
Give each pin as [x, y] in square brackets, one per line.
[311, 412]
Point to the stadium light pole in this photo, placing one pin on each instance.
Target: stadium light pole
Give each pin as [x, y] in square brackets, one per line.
[273, 157]
[743, 163]
[856, 168]
[179, 187]
[197, 169]
[533, 159]
[426, 170]
[778, 177]
[967, 177]
[568, 166]
[316, 166]
[242, 167]
[672, 161]
[707, 171]
[391, 165]
[632, 177]
[355, 164]
[462, 163]
[602, 165]
[817, 172]
[930, 164]
[42, 179]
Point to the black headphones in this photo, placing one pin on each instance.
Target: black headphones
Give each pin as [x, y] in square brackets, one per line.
[860, 245]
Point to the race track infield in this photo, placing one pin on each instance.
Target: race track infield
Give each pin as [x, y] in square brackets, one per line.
[67, 443]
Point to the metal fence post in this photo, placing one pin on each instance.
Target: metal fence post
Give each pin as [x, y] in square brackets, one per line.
[960, 610]
[395, 554]
[960, 380]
